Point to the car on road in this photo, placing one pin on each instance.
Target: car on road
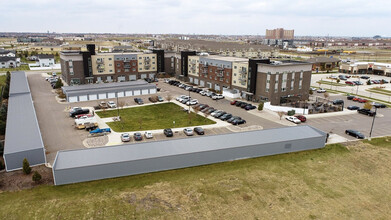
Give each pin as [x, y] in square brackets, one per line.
[139, 101]
[199, 130]
[338, 102]
[168, 132]
[238, 121]
[188, 131]
[148, 135]
[293, 119]
[302, 118]
[355, 134]
[320, 90]
[111, 104]
[353, 107]
[366, 112]
[365, 77]
[125, 137]
[217, 96]
[137, 136]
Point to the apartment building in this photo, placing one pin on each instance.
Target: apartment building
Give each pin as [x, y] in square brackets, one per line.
[382, 69]
[280, 33]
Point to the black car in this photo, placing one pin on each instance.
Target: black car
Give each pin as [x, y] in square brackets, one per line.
[355, 134]
[225, 117]
[137, 136]
[78, 111]
[350, 97]
[364, 77]
[250, 107]
[168, 132]
[243, 104]
[338, 102]
[237, 104]
[379, 105]
[233, 118]
[238, 121]
[139, 101]
[366, 112]
[199, 131]
[353, 107]
[218, 115]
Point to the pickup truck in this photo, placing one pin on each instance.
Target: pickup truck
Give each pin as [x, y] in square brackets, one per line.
[82, 122]
[100, 131]
[79, 111]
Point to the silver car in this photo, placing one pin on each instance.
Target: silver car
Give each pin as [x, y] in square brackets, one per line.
[125, 137]
[188, 131]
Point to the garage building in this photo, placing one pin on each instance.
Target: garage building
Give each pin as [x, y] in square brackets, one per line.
[114, 161]
[23, 137]
[79, 93]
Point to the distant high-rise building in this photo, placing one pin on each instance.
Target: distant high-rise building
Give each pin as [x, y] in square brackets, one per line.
[280, 34]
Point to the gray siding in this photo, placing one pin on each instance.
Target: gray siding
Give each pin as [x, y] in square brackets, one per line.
[14, 161]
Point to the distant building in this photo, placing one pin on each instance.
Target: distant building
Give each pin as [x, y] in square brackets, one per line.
[280, 34]
[323, 63]
[382, 69]
[9, 62]
[46, 60]
[7, 53]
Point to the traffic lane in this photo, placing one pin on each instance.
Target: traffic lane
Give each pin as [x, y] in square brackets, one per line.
[57, 130]
[362, 123]
[222, 104]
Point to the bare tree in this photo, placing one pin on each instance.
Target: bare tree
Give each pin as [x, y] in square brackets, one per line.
[280, 114]
[196, 110]
[121, 104]
[169, 98]
[326, 96]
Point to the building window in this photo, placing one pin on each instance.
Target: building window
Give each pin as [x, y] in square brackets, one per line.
[226, 80]
[133, 69]
[110, 71]
[140, 63]
[234, 81]
[71, 73]
[235, 67]
[127, 70]
[118, 71]
[100, 71]
[140, 68]
[227, 73]
[109, 58]
[118, 65]
[110, 64]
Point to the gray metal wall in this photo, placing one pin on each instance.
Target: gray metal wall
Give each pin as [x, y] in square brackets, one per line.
[14, 161]
[82, 174]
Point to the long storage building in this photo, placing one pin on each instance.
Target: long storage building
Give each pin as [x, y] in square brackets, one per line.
[107, 162]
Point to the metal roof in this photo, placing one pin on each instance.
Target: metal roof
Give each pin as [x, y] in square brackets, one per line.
[22, 132]
[107, 87]
[130, 152]
[323, 60]
[19, 84]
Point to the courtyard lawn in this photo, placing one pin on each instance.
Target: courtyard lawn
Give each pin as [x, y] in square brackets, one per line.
[152, 117]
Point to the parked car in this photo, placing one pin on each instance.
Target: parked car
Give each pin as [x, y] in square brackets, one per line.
[238, 121]
[353, 107]
[199, 130]
[153, 99]
[78, 111]
[148, 135]
[225, 117]
[137, 136]
[100, 130]
[203, 93]
[111, 104]
[206, 109]
[103, 105]
[312, 89]
[338, 102]
[302, 118]
[293, 119]
[192, 102]
[188, 131]
[168, 132]
[160, 99]
[358, 83]
[216, 112]
[384, 81]
[379, 105]
[350, 83]
[180, 98]
[355, 134]
[320, 90]
[125, 137]
[238, 103]
[139, 101]
[360, 100]
[350, 97]
[355, 99]
[250, 107]
[233, 102]
[217, 96]
[365, 77]
[218, 115]
[83, 116]
[211, 110]
[366, 112]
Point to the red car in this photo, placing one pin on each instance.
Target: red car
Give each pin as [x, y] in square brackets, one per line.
[301, 118]
[360, 100]
[233, 102]
[349, 83]
[355, 99]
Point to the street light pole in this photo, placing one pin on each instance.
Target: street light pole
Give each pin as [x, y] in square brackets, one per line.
[117, 107]
[373, 122]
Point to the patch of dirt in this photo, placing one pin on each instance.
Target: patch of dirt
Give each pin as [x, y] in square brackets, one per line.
[96, 141]
[17, 180]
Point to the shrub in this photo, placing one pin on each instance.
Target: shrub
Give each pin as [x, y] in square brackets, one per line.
[3, 111]
[369, 82]
[36, 176]
[59, 84]
[1, 165]
[6, 91]
[2, 127]
[26, 167]
[311, 92]
[260, 106]
[291, 112]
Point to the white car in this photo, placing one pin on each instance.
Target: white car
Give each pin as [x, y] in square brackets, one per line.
[203, 93]
[320, 90]
[148, 135]
[181, 98]
[188, 131]
[111, 104]
[217, 96]
[125, 137]
[293, 119]
[215, 112]
[192, 102]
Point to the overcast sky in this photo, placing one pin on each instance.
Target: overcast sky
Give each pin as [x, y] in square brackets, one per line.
[306, 17]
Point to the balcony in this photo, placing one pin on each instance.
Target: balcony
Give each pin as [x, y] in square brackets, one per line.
[99, 61]
[243, 81]
[127, 66]
[220, 74]
[147, 59]
[101, 67]
[243, 71]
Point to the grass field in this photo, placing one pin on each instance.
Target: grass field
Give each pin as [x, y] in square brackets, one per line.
[22, 67]
[380, 91]
[2, 80]
[323, 82]
[152, 117]
[337, 182]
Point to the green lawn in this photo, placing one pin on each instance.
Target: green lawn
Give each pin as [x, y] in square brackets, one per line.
[380, 91]
[336, 182]
[22, 67]
[152, 117]
[323, 82]
[2, 80]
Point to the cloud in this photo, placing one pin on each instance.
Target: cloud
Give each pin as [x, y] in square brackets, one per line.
[307, 17]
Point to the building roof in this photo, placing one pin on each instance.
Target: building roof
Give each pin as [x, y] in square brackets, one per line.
[323, 60]
[6, 51]
[131, 152]
[229, 59]
[284, 63]
[22, 132]
[105, 87]
[19, 84]
[6, 59]
[45, 56]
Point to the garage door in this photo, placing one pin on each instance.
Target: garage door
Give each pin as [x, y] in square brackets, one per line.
[209, 85]
[143, 76]
[73, 99]
[111, 95]
[120, 94]
[217, 87]
[102, 96]
[83, 98]
[121, 79]
[144, 92]
[93, 97]
[128, 93]
[191, 79]
[132, 77]
[196, 81]
[152, 91]
[202, 83]
[152, 75]
[136, 92]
